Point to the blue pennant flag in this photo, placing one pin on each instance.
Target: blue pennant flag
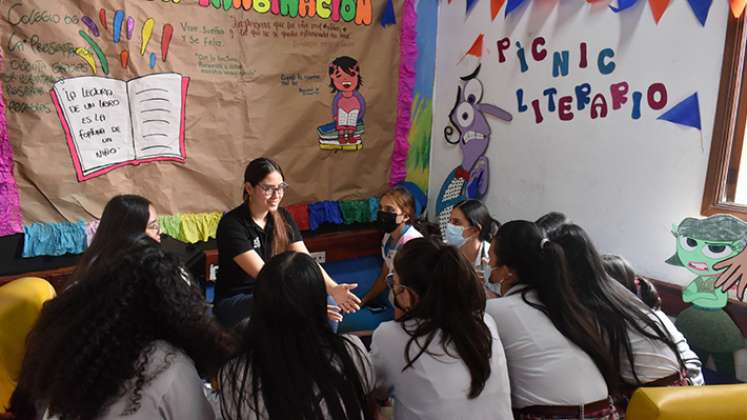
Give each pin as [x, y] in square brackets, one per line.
[512, 5]
[686, 113]
[701, 8]
[388, 17]
[623, 4]
[471, 4]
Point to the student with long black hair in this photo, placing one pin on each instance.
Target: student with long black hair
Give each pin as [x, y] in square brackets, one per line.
[290, 364]
[254, 232]
[619, 269]
[644, 353]
[551, 222]
[558, 364]
[125, 217]
[443, 358]
[127, 340]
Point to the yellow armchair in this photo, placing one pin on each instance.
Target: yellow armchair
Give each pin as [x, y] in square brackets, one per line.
[710, 402]
[20, 304]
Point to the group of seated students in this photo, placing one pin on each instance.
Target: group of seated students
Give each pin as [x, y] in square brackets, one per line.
[523, 320]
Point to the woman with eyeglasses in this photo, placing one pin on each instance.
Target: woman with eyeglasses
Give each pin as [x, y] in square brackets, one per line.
[443, 358]
[251, 234]
[124, 218]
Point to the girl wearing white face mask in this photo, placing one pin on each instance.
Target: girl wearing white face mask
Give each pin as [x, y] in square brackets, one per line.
[470, 229]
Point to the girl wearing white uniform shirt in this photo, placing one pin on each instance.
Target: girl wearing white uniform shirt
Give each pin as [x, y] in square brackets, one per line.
[442, 360]
[645, 353]
[642, 289]
[557, 362]
[470, 229]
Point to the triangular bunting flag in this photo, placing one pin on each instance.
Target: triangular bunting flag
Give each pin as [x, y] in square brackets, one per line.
[737, 7]
[495, 7]
[388, 17]
[658, 7]
[470, 5]
[622, 5]
[513, 5]
[701, 8]
[686, 113]
[476, 48]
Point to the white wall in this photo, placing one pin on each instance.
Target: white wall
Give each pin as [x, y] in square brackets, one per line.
[626, 181]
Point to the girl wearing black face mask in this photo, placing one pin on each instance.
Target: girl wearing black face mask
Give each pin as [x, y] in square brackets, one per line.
[395, 218]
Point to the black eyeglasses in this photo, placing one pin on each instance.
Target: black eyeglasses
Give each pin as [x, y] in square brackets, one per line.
[269, 190]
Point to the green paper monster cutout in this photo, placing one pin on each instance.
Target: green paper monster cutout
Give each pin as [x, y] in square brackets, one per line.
[701, 246]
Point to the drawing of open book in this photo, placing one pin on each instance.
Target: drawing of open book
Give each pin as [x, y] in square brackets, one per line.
[110, 123]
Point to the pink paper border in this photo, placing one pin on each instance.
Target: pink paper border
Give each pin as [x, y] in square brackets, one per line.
[408, 56]
[76, 160]
[10, 207]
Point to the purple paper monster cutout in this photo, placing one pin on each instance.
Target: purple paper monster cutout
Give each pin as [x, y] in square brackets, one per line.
[468, 120]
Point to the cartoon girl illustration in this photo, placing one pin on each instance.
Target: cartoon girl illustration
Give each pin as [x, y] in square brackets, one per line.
[348, 106]
[701, 246]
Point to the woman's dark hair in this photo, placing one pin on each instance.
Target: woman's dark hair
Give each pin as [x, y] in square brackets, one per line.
[540, 264]
[124, 218]
[289, 355]
[478, 216]
[612, 306]
[347, 64]
[254, 173]
[648, 293]
[551, 222]
[96, 337]
[619, 269]
[451, 305]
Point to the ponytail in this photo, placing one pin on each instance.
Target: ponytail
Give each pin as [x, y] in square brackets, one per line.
[451, 305]
[541, 265]
[280, 236]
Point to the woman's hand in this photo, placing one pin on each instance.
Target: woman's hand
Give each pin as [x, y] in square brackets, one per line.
[345, 298]
[334, 313]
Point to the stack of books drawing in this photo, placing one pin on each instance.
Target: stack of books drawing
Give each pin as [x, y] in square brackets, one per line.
[329, 138]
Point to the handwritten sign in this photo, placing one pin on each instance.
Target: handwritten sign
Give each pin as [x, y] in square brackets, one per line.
[258, 84]
[110, 123]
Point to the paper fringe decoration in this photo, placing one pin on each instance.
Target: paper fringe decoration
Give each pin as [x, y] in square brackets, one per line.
[658, 7]
[737, 7]
[408, 56]
[389, 17]
[700, 9]
[685, 113]
[54, 239]
[91, 228]
[10, 207]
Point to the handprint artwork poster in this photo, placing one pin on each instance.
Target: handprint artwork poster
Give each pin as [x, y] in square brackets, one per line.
[709, 249]
[109, 123]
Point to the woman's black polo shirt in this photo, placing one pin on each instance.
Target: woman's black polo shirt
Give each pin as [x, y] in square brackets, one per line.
[238, 233]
